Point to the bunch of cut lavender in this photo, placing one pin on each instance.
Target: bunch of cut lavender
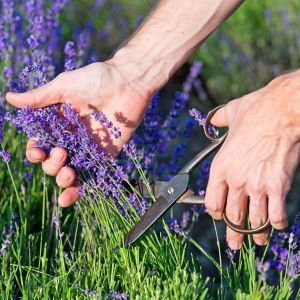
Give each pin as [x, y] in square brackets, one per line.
[96, 170]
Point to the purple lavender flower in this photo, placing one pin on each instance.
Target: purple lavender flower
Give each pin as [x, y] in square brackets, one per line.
[56, 222]
[200, 118]
[8, 72]
[8, 234]
[293, 270]
[67, 258]
[32, 42]
[203, 174]
[139, 206]
[70, 55]
[5, 156]
[151, 133]
[191, 78]
[131, 150]
[295, 228]
[231, 254]
[185, 219]
[118, 295]
[89, 292]
[262, 269]
[173, 225]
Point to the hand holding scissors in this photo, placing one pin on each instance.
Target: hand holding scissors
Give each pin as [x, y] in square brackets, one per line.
[176, 191]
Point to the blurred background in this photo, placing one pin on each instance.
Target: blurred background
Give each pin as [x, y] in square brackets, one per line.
[259, 42]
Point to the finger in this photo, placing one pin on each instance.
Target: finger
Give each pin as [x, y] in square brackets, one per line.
[215, 198]
[55, 161]
[33, 153]
[65, 177]
[226, 114]
[277, 211]
[258, 215]
[68, 196]
[45, 95]
[236, 207]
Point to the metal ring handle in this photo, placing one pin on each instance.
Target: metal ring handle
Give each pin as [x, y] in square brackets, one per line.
[207, 123]
[246, 231]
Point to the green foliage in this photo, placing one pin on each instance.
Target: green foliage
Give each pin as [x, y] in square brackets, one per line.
[70, 253]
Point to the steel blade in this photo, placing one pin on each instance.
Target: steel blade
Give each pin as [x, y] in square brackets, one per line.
[142, 188]
[169, 193]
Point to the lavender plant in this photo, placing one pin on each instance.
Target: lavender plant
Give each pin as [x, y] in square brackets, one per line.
[51, 253]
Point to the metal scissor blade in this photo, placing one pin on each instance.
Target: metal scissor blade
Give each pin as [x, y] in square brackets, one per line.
[170, 192]
[142, 188]
[147, 220]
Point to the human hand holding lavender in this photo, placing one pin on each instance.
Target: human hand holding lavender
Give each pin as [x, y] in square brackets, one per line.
[96, 87]
[122, 87]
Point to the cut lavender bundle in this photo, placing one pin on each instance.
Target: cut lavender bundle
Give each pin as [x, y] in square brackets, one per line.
[96, 170]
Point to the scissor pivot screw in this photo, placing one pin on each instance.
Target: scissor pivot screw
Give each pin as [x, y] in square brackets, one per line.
[170, 190]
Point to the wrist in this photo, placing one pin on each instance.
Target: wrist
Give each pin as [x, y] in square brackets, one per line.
[285, 97]
[140, 69]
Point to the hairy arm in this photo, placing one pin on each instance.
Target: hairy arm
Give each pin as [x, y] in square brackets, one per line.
[168, 37]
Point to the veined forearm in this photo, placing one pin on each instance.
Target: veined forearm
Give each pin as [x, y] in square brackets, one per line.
[169, 36]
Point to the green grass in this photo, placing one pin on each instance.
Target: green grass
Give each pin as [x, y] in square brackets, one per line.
[66, 260]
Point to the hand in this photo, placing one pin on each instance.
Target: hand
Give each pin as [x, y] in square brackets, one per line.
[101, 86]
[258, 158]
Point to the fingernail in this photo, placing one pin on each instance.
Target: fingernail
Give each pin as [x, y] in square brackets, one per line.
[234, 245]
[260, 242]
[58, 156]
[65, 177]
[35, 156]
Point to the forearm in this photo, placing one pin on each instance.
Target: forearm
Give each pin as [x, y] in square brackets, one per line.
[168, 37]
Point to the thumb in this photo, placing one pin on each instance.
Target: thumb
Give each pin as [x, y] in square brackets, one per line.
[45, 95]
[224, 116]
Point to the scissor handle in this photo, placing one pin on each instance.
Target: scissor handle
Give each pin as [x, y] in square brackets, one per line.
[216, 142]
[207, 124]
[190, 198]
[248, 230]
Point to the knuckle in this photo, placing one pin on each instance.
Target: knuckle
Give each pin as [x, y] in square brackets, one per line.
[256, 221]
[235, 218]
[216, 170]
[278, 220]
[274, 188]
[256, 187]
[279, 187]
[236, 183]
[212, 206]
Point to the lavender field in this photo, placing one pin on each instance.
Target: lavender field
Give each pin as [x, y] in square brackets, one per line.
[49, 252]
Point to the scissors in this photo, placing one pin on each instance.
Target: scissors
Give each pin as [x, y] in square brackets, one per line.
[177, 191]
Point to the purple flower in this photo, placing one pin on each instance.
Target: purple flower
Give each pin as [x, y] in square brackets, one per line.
[8, 72]
[88, 292]
[32, 41]
[173, 225]
[200, 118]
[231, 254]
[295, 228]
[8, 234]
[185, 219]
[118, 295]
[70, 56]
[262, 268]
[5, 156]
[139, 206]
